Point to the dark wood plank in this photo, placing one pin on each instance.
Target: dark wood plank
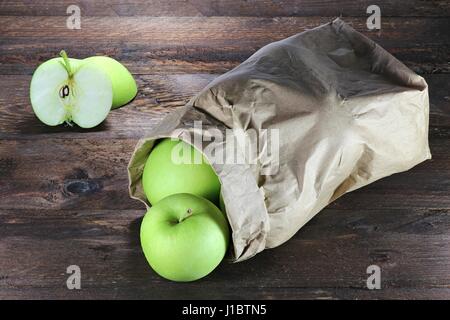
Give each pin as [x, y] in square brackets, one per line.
[410, 246]
[62, 174]
[158, 95]
[90, 174]
[262, 8]
[186, 292]
[200, 45]
[92, 164]
[87, 168]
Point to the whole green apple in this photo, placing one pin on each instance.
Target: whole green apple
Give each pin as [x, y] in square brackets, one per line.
[184, 237]
[163, 175]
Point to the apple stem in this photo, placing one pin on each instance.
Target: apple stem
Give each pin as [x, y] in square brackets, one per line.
[187, 215]
[63, 55]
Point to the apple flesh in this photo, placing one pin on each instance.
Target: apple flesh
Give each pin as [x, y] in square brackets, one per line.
[123, 84]
[67, 90]
[184, 237]
[162, 176]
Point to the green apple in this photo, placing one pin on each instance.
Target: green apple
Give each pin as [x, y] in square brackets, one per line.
[123, 83]
[67, 90]
[184, 237]
[164, 176]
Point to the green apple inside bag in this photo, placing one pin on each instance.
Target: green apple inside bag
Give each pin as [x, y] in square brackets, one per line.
[163, 176]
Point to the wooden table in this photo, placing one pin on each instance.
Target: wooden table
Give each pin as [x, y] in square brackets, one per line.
[63, 190]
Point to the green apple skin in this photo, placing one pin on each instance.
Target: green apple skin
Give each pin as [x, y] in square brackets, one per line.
[162, 177]
[184, 237]
[123, 83]
[75, 64]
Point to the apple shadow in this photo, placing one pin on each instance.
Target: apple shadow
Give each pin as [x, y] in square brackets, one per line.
[134, 228]
[136, 257]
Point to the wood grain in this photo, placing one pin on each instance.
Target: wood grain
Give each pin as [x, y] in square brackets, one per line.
[63, 190]
[200, 45]
[60, 174]
[327, 259]
[260, 8]
[158, 95]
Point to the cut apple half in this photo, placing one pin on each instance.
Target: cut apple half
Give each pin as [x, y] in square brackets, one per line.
[66, 90]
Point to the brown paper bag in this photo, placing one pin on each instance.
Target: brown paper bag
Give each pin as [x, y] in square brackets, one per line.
[343, 113]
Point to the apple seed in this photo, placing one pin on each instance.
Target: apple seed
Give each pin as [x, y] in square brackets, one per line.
[64, 92]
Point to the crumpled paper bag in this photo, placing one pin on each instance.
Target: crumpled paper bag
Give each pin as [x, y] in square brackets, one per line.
[344, 113]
